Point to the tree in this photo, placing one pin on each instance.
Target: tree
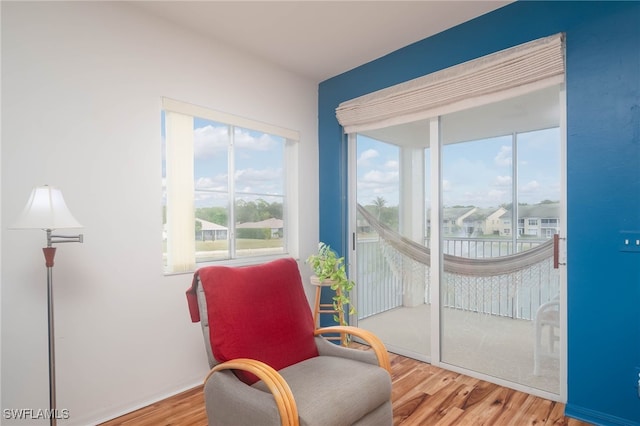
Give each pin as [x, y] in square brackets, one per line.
[379, 204]
[275, 210]
[258, 210]
[213, 214]
[390, 216]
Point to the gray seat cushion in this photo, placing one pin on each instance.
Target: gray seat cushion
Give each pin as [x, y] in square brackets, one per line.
[335, 391]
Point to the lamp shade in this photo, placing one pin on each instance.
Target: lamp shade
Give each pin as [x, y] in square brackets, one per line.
[46, 209]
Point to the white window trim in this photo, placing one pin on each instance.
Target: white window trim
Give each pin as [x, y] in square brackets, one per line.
[180, 203]
[222, 117]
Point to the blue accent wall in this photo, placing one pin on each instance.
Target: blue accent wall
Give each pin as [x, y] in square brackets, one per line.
[603, 175]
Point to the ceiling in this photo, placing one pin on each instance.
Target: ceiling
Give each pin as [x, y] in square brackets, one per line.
[318, 39]
[322, 39]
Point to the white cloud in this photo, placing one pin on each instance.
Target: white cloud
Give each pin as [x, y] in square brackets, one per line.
[377, 176]
[503, 158]
[365, 156]
[377, 183]
[474, 197]
[502, 181]
[531, 186]
[209, 141]
[258, 175]
[266, 181]
[245, 140]
[218, 183]
[205, 185]
[392, 165]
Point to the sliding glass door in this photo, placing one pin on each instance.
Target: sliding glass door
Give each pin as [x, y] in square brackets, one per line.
[462, 275]
[500, 200]
[394, 298]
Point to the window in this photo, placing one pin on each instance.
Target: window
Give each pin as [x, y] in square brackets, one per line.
[229, 188]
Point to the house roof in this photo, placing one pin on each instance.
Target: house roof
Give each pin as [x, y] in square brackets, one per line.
[481, 214]
[546, 210]
[210, 226]
[453, 213]
[268, 223]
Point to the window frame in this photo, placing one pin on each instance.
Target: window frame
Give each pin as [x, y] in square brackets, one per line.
[290, 196]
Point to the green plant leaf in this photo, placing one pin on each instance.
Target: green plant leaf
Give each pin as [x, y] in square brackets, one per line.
[326, 265]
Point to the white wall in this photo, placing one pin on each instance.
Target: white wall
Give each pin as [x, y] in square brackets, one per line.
[81, 89]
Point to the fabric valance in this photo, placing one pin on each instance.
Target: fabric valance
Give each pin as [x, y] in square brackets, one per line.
[492, 78]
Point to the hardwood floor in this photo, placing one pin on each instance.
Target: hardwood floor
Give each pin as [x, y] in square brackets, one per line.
[422, 395]
[427, 395]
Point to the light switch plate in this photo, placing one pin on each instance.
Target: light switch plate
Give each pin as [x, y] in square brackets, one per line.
[630, 241]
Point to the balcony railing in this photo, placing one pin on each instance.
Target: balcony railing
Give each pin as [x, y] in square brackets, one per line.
[386, 280]
[486, 247]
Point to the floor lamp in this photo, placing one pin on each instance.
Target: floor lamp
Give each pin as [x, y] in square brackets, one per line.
[47, 210]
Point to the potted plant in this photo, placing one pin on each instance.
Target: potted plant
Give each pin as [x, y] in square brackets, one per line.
[327, 266]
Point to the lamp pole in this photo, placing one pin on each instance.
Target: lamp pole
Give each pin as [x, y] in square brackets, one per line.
[49, 255]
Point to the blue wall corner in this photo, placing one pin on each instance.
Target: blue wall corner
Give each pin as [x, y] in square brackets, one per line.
[603, 174]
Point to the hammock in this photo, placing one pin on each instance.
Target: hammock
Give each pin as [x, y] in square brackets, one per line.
[460, 265]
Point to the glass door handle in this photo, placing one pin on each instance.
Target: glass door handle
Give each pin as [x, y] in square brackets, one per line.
[556, 251]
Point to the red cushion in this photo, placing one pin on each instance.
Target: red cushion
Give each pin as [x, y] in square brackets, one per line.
[258, 312]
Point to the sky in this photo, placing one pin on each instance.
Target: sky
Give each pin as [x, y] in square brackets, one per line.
[258, 164]
[477, 173]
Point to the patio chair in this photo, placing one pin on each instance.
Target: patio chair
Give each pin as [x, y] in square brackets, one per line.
[270, 366]
[547, 315]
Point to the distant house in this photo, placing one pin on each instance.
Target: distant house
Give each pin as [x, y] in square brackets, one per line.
[537, 220]
[483, 221]
[211, 231]
[275, 225]
[453, 219]
[541, 220]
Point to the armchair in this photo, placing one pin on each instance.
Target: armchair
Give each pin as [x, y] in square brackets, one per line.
[270, 366]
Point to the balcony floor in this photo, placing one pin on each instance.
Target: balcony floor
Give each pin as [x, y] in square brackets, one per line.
[497, 346]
